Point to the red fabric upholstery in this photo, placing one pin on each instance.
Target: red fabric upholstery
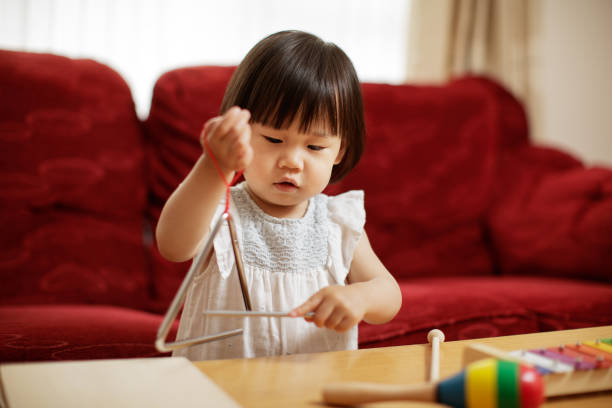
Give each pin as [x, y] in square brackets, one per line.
[72, 180]
[481, 228]
[55, 332]
[472, 307]
[553, 216]
[58, 257]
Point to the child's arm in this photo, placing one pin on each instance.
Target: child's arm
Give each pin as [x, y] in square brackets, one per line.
[187, 214]
[372, 294]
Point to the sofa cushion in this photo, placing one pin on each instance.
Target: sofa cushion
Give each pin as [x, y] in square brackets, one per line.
[70, 332]
[183, 99]
[559, 303]
[60, 257]
[475, 307]
[552, 215]
[429, 173]
[69, 132]
[462, 308]
[73, 183]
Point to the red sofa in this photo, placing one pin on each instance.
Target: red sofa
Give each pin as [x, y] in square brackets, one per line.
[487, 234]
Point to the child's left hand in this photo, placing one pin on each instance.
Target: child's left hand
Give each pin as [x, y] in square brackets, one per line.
[335, 307]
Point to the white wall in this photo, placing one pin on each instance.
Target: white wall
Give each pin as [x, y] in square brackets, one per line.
[571, 77]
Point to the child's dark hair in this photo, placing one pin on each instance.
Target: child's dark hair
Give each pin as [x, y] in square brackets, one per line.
[296, 74]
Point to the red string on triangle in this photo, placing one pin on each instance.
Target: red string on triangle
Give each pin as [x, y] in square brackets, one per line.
[227, 184]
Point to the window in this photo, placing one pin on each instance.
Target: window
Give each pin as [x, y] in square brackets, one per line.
[141, 39]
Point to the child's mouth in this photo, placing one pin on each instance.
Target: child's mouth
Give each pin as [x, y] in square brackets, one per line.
[285, 186]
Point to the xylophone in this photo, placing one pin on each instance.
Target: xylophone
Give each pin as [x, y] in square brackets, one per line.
[566, 369]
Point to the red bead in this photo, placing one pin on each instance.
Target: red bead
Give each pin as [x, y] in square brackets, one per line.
[531, 387]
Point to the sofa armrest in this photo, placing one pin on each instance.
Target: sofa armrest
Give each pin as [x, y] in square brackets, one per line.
[553, 217]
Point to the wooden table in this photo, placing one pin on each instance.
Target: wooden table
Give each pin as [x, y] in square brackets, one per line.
[297, 381]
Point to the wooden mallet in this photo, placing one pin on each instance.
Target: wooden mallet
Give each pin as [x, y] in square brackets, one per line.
[484, 383]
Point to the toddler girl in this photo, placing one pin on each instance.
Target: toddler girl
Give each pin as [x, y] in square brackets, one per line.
[292, 118]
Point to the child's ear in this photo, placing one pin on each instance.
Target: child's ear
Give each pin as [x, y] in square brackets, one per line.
[341, 152]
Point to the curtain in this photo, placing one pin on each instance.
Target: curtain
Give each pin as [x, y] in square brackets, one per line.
[451, 38]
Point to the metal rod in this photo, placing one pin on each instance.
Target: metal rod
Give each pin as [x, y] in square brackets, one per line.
[239, 266]
[199, 340]
[249, 313]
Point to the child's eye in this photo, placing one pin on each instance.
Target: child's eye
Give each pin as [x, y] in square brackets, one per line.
[315, 148]
[272, 140]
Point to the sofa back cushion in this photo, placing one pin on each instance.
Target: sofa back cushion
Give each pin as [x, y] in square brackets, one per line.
[552, 216]
[183, 99]
[72, 181]
[428, 172]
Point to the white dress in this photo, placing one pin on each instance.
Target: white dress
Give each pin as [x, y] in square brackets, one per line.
[285, 262]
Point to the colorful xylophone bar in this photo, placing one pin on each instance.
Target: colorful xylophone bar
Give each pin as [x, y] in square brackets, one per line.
[590, 355]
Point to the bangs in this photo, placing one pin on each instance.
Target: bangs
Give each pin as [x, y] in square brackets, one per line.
[294, 96]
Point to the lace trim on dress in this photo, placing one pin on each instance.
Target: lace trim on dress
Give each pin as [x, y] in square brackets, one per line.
[289, 245]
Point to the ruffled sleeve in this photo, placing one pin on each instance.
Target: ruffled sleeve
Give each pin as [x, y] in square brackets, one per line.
[346, 214]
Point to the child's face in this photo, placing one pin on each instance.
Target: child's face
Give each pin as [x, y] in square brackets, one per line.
[289, 167]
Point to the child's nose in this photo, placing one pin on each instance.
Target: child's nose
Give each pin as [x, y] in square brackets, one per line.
[290, 159]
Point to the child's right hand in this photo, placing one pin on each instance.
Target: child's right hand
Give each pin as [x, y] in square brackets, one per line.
[229, 139]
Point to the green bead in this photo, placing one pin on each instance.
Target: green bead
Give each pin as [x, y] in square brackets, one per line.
[508, 384]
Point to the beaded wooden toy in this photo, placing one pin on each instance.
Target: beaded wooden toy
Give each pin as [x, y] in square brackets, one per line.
[566, 369]
[485, 383]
